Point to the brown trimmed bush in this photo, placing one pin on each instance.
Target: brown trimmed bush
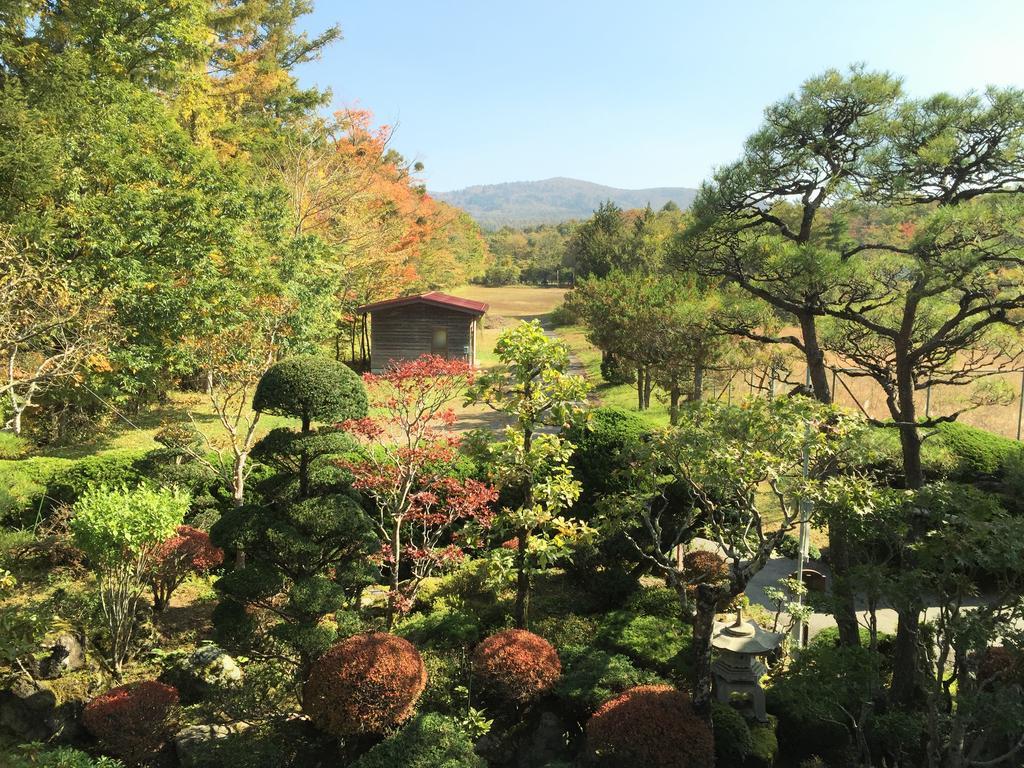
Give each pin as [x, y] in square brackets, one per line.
[367, 684]
[516, 665]
[132, 722]
[653, 726]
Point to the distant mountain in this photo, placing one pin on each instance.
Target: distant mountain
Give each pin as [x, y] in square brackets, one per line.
[550, 201]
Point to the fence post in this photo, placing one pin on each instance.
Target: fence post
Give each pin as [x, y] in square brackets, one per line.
[928, 401]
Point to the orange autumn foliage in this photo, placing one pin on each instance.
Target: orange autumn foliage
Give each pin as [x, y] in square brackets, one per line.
[516, 665]
[653, 726]
[367, 684]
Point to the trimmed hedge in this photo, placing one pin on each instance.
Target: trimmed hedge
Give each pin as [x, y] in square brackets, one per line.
[428, 741]
[654, 642]
[516, 665]
[132, 722]
[977, 452]
[312, 388]
[733, 742]
[367, 684]
[596, 676]
[653, 726]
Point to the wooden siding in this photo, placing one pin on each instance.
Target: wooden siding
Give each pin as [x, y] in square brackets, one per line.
[405, 333]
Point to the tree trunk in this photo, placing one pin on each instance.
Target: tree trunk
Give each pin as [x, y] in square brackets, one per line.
[639, 387]
[16, 421]
[698, 383]
[674, 393]
[703, 628]
[238, 481]
[844, 608]
[396, 543]
[648, 385]
[522, 609]
[904, 678]
[304, 463]
[815, 357]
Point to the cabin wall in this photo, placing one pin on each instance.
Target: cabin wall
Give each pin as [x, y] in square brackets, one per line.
[405, 333]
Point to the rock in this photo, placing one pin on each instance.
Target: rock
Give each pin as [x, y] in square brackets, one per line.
[190, 742]
[66, 655]
[25, 708]
[544, 743]
[206, 671]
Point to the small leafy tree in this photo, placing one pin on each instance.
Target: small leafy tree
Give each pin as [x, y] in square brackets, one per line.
[720, 461]
[235, 359]
[119, 531]
[407, 471]
[188, 551]
[533, 385]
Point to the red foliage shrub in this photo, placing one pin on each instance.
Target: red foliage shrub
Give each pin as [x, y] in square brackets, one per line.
[1000, 665]
[652, 726]
[516, 665]
[703, 565]
[188, 551]
[133, 721]
[366, 684]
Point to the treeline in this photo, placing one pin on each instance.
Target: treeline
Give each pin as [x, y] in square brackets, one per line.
[558, 254]
[173, 202]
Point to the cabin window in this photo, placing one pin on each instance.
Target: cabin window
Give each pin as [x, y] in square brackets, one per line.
[439, 342]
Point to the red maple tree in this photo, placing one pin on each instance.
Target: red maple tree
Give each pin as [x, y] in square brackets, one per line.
[188, 551]
[424, 514]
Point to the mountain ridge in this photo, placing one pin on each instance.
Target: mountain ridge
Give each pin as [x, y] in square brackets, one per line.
[550, 201]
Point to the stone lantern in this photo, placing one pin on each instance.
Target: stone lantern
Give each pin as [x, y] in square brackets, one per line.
[739, 668]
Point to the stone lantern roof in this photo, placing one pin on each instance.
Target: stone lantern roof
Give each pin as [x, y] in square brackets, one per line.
[745, 637]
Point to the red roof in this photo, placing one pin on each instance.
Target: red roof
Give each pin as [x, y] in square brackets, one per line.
[434, 299]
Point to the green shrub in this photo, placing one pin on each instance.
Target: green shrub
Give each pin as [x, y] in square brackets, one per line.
[282, 743]
[13, 446]
[610, 588]
[655, 601]
[790, 547]
[569, 633]
[562, 315]
[448, 681]
[443, 628]
[109, 469]
[733, 742]
[651, 641]
[21, 496]
[595, 676]
[312, 388]
[43, 756]
[765, 746]
[428, 741]
[977, 452]
[607, 438]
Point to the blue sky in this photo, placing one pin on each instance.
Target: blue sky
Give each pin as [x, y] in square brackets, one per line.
[631, 94]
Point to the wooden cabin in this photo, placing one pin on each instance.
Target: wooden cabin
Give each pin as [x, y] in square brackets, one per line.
[428, 324]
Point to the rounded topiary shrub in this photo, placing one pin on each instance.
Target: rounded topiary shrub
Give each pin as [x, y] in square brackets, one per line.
[733, 742]
[311, 388]
[428, 741]
[368, 683]
[516, 665]
[652, 726]
[133, 721]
